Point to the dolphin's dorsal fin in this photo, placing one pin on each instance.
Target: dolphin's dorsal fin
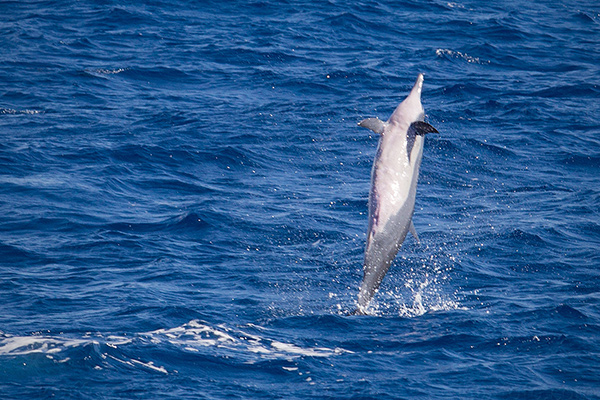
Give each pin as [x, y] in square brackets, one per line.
[417, 128]
[421, 128]
[374, 124]
[413, 231]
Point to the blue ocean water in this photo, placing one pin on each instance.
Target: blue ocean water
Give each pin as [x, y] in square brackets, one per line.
[183, 200]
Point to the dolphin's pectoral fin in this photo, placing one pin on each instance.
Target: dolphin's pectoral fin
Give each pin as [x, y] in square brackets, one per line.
[413, 231]
[374, 124]
[421, 128]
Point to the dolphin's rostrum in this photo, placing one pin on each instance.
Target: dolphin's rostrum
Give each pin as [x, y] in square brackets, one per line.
[393, 188]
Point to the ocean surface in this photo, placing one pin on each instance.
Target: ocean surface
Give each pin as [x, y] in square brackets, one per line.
[183, 200]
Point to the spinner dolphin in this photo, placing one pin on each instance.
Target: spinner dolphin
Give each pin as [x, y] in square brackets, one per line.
[393, 188]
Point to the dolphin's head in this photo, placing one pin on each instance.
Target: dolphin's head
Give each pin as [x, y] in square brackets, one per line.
[411, 109]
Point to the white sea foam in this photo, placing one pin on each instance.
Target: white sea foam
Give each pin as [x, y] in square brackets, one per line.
[133, 362]
[110, 71]
[457, 54]
[195, 335]
[192, 337]
[106, 71]
[22, 345]
[55, 347]
[13, 111]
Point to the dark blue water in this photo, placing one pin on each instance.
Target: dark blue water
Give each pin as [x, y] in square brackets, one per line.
[183, 199]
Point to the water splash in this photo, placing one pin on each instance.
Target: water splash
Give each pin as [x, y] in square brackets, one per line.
[420, 283]
[415, 299]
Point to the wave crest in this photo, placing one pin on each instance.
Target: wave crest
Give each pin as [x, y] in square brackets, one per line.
[451, 54]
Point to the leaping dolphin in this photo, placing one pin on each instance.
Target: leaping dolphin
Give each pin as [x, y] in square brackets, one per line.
[393, 188]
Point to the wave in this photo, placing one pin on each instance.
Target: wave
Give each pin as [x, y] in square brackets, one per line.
[20, 112]
[248, 344]
[457, 55]
[562, 91]
[104, 71]
[197, 335]
[181, 223]
[23, 345]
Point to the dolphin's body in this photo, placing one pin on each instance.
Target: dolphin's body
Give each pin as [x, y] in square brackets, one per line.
[393, 188]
